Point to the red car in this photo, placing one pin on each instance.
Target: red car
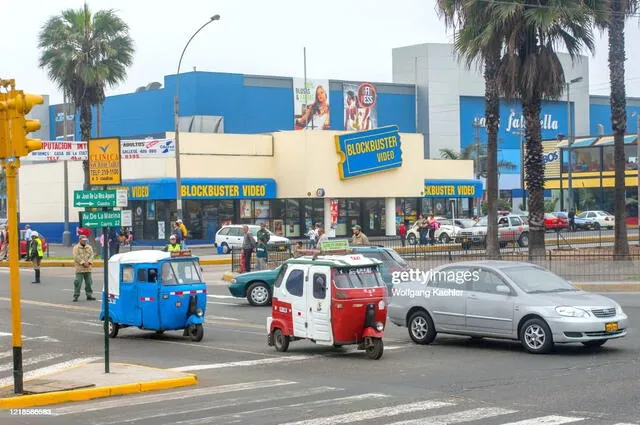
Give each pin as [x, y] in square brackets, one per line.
[23, 246]
[552, 222]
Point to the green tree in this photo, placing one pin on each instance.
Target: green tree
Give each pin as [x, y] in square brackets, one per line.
[83, 54]
[475, 44]
[530, 71]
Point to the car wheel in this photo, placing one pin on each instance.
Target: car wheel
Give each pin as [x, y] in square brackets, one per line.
[421, 328]
[411, 239]
[523, 241]
[596, 226]
[596, 343]
[444, 238]
[258, 294]
[536, 337]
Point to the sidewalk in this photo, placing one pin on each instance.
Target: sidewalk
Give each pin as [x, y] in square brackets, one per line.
[88, 381]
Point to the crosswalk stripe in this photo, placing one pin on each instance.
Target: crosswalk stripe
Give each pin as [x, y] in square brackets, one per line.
[241, 363]
[32, 360]
[364, 415]
[10, 353]
[49, 369]
[547, 420]
[459, 417]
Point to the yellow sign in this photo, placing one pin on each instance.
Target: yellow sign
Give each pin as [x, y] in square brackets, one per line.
[104, 161]
[551, 159]
[223, 190]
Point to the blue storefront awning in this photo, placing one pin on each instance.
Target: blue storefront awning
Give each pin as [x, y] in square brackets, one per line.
[452, 188]
[201, 188]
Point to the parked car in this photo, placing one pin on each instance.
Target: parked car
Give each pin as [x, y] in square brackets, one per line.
[257, 287]
[511, 228]
[506, 300]
[554, 222]
[230, 237]
[596, 220]
[23, 245]
[449, 230]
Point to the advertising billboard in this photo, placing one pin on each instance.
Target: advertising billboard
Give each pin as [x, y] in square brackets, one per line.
[60, 117]
[360, 111]
[368, 152]
[311, 104]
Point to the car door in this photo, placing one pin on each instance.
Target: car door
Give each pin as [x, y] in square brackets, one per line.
[293, 291]
[236, 237]
[319, 305]
[489, 311]
[446, 300]
[130, 312]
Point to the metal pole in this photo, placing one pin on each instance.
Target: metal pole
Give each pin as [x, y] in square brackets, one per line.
[14, 273]
[177, 121]
[105, 271]
[569, 143]
[66, 234]
[638, 167]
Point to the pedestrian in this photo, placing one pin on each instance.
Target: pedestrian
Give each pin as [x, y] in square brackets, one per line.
[83, 257]
[4, 241]
[183, 229]
[359, 238]
[322, 236]
[177, 232]
[423, 229]
[263, 234]
[114, 242]
[432, 225]
[248, 246]
[402, 231]
[35, 254]
[261, 255]
[572, 219]
[173, 245]
[27, 237]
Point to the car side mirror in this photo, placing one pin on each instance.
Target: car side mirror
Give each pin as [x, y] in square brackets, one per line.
[503, 289]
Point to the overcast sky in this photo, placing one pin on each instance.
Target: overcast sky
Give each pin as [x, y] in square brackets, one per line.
[348, 40]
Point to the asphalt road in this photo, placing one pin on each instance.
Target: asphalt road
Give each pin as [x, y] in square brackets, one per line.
[243, 381]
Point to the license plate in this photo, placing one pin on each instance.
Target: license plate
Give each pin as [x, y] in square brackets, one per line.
[465, 240]
[611, 327]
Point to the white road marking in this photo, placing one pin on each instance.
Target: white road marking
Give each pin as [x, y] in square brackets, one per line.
[242, 363]
[226, 297]
[5, 334]
[41, 338]
[32, 360]
[382, 412]
[222, 318]
[332, 401]
[219, 303]
[10, 353]
[178, 395]
[49, 369]
[459, 417]
[547, 420]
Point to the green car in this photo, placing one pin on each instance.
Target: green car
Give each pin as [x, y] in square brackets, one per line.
[257, 286]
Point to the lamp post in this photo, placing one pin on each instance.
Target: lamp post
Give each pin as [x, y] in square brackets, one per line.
[177, 119]
[570, 138]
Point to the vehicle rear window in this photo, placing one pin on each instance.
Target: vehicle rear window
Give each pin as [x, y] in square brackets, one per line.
[358, 277]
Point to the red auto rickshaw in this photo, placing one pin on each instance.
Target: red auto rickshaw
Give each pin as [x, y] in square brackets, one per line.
[332, 298]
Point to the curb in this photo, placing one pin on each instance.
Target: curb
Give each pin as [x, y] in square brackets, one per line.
[610, 287]
[57, 397]
[228, 276]
[96, 264]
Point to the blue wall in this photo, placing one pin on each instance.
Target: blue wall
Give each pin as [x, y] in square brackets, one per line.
[554, 115]
[246, 109]
[601, 114]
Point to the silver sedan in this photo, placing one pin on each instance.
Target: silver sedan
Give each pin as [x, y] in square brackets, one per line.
[506, 300]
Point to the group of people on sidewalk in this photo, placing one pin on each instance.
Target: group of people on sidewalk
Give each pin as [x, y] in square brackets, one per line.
[34, 250]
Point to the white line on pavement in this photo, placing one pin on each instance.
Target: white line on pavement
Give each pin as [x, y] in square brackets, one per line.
[177, 395]
[382, 412]
[547, 420]
[242, 363]
[5, 334]
[49, 369]
[41, 338]
[226, 297]
[32, 360]
[458, 417]
[10, 353]
[220, 303]
[222, 318]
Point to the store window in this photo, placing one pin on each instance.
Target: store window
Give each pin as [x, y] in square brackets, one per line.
[342, 227]
[407, 209]
[205, 217]
[353, 213]
[292, 218]
[586, 160]
[313, 210]
[608, 161]
[631, 157]
[374, 216]
[276, 224]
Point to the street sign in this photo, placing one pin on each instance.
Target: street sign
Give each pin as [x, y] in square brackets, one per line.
[100, 198]
[126, 218]
[93, 219]
[105, 166]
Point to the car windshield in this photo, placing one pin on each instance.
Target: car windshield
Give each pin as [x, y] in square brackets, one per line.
[536, 280]
[548, 215]
[358, 277]
[582, 215]
[181, 273]
[397, 258]
[483, 222]
[465, 224]
[603, 213]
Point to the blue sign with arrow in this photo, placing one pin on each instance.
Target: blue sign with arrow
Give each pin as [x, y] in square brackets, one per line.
[368, 152]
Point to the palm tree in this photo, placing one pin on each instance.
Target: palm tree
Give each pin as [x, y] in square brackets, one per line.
[530, 70]
[475, 43]
[83, 53]
[477, 152]
[611, 15]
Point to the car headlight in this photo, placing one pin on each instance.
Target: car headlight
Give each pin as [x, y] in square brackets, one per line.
[571, 312]
[199, 312]
[379, 326]
[233, 280]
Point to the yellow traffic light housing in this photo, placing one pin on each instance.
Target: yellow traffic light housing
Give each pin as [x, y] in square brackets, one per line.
[5, 144]
[20, 126]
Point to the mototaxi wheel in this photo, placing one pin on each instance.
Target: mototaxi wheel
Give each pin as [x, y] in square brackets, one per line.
[196, 332]
[113, 329]
[280, 341]
[411, 239]
[375, 350]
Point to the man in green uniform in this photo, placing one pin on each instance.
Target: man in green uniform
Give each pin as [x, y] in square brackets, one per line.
[83, 257]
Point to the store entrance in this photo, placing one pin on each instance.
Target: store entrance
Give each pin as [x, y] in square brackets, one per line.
[373, 218]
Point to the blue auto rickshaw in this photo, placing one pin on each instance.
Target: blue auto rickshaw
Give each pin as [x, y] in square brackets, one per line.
[156, 290]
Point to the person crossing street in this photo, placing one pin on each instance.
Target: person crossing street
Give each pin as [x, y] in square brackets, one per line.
[35, 253]
[83, 257]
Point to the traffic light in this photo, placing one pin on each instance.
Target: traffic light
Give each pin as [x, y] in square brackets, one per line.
[5, 145]
[20, 126]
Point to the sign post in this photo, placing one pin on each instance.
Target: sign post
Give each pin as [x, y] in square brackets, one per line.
[105, 169]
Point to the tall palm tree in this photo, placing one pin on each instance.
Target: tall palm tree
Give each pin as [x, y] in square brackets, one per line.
[479, 40]
[530, 70]
[83, 54]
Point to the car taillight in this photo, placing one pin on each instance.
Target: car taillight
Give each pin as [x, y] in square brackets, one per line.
[341, 294]
[606, 219]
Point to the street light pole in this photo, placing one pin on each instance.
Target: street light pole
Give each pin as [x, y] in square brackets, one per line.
[177, 120]
[638, 169]
[570, 139]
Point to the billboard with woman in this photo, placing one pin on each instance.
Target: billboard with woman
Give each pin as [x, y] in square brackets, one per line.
[360, 112]
[311, 104]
